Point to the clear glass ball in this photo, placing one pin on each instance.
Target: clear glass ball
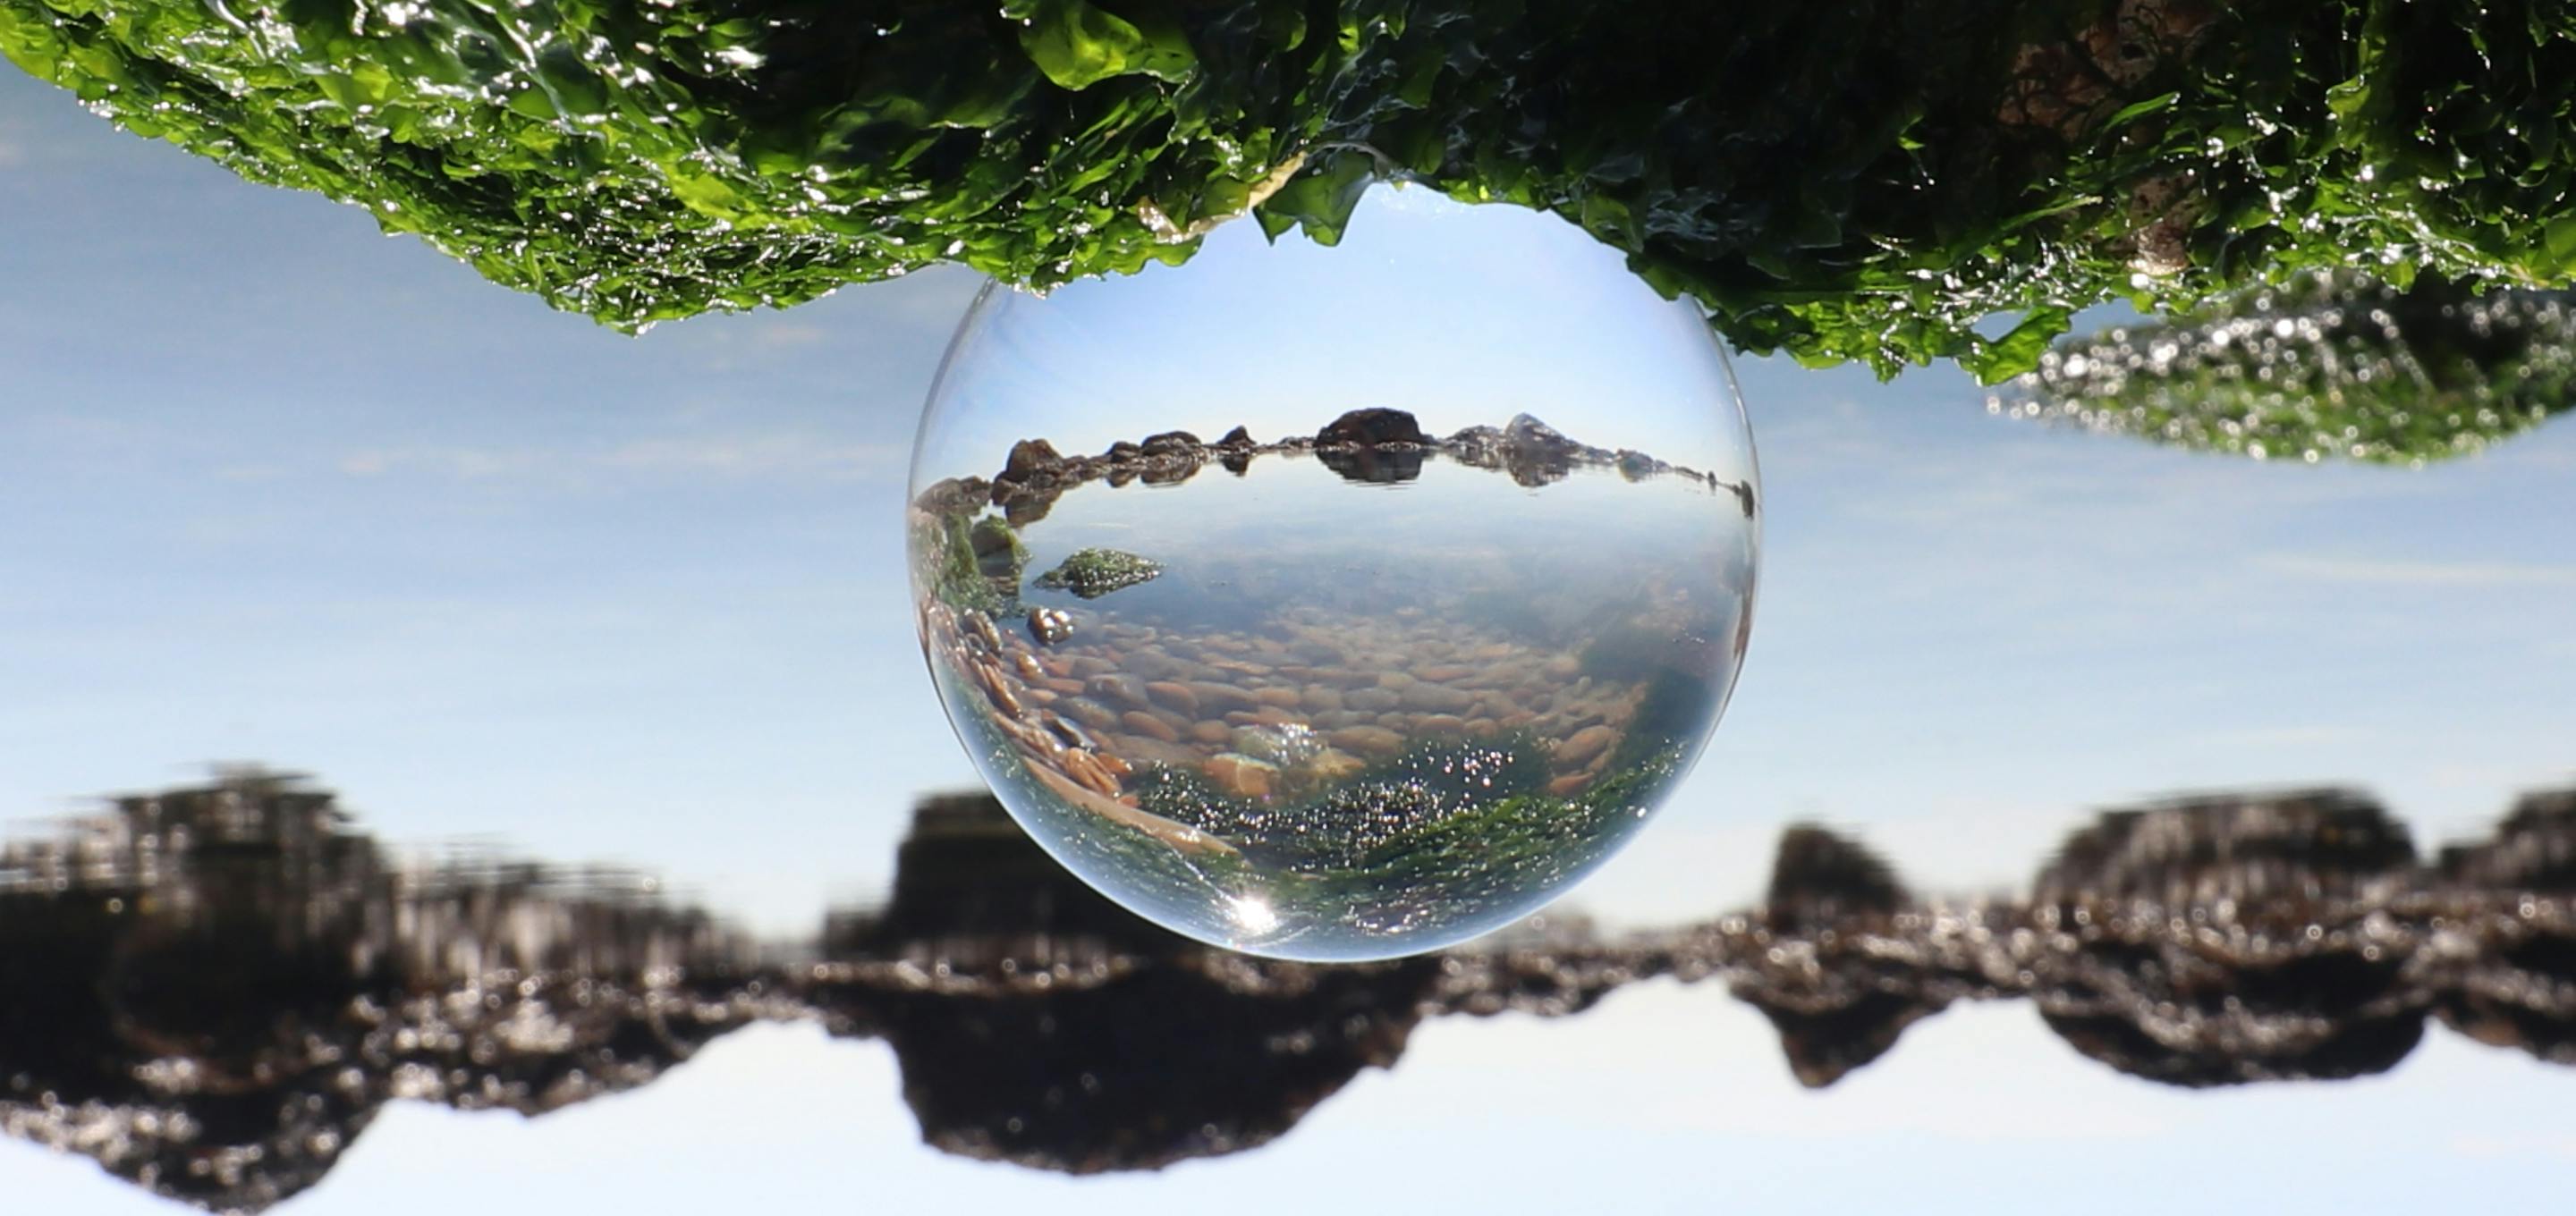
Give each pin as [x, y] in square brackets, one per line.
[1337, 603]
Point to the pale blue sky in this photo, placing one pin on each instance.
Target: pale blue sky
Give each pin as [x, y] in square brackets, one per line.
[277, 488]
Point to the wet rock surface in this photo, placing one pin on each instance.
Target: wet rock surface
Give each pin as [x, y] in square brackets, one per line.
[214, 989]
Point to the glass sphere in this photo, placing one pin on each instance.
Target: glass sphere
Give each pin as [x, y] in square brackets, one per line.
[1337, 603]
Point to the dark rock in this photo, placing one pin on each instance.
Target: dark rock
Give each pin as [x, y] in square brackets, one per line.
[1383, 465]
[1236, 438]
[954, 496]
[1376, 426]
[1638, 466]
[1122, 451]
[1536, 453]
[1481, 446]
[1031, 460]
[1170, 470]
[1819, 880]
[1171, 443]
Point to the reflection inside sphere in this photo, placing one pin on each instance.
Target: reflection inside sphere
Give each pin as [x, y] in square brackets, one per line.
[1337, 603]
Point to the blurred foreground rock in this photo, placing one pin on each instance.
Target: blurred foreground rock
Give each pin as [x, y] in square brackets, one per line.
[212, 990]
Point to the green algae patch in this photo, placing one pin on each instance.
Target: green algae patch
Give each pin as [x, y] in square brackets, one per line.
[1841, 180]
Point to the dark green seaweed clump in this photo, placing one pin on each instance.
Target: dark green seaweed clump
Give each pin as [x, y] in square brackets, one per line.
[1092, 573]
[1840, 179]
[2339, 366]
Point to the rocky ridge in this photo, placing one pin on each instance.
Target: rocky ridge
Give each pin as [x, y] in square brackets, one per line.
[215, 988]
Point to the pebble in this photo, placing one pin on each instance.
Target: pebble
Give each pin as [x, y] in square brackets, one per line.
[1282, 698]
[1117, 688]
[1443, 724]
[1090, 713]
[1372, 700]
[1432, 698]
[1367, 740]
[1147, 724]
[1333, 764]
[1241, 776]
[1082, 768]
[1176, 695]
[1222, 697]
[1323, 700]
[1568, 785]
[1583, 745]
[1214, 733]
[1443, 674]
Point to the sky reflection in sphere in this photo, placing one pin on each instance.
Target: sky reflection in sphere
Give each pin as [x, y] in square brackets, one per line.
[1355, 698]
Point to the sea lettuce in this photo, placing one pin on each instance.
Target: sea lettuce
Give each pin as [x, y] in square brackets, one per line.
[1838, 179]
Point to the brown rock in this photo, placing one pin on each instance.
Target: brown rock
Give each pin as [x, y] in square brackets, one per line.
[1241, 776]
[1222, 697]
[1178, 835]
[1209, 732]
[1443, 724]
[1562, 667]
[997, 689]
[1394, 681]
[1031, 458]
[1173, 694]
[1323, 700]
[1089, 713]
[1083, 768]
[1581, 746]
[1443, 673]
[1372, 700]
[1117, 689]
[1284, 698]
[1374, 741]
[1145, 749]
[1148, 725]
[1435, 699]
[1333, 764]
[1568, 785]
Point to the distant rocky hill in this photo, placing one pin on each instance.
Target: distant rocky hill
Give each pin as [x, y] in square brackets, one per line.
[213, 989]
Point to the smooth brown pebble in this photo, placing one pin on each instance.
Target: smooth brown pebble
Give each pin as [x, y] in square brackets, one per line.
[1173, 694]
[1583, 745]
[1147, 724]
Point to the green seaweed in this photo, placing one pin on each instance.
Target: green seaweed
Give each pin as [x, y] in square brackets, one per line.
[2328, 367]
[1839, 180]
[1092, 573]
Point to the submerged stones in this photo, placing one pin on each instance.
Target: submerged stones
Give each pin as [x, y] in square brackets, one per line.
[1332, 744]
[1050, 625]
[1092, 573]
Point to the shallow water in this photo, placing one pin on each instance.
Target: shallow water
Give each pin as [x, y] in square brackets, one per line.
[1346, 718]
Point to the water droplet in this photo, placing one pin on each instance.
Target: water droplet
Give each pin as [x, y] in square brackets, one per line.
[1264, 599]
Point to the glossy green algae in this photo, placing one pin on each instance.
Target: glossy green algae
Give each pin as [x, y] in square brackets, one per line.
[1838, 179]
[2328, 367]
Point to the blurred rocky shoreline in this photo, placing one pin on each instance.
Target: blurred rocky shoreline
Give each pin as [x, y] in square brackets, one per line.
[215, 988]
[1378, 445]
